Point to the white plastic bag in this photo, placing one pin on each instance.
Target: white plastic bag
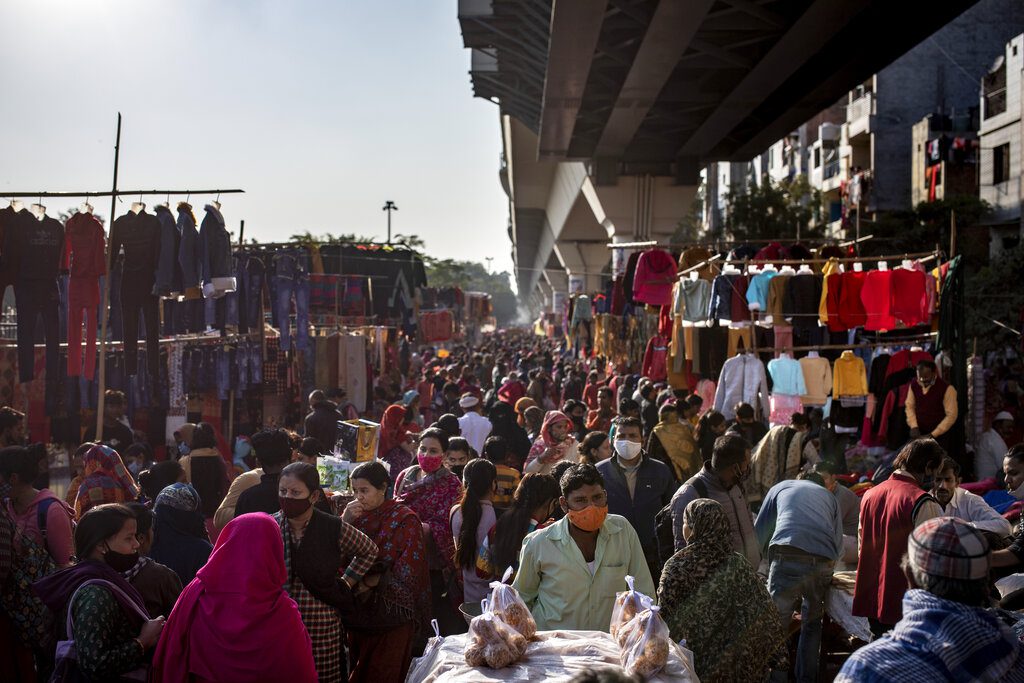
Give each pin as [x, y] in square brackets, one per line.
[492, 642]
[421, 666]
[627, 605]
[510, 608]
[645, 643]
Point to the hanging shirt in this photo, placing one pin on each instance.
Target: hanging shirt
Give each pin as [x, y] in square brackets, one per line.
[757, 291]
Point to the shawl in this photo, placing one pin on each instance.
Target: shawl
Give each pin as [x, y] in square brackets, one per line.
[55, 591]
[545, 447]
[431, 499]
[105, 479]
[776, 458]
[235, 622]
[522, 405]
[731, 640]
[392, 428]
[180, 541]
[398, 534]
[680, 445]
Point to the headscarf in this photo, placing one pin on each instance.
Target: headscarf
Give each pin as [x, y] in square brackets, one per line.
[105, 479]
[392, 429]
[503, 424]
[730, 640]
[679, 443]
[186, 431]
[235, 622]
[179, 532]
[545, 441]
[521, 406]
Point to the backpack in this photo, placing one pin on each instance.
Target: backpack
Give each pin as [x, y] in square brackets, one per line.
[663, 531]
[32, 620]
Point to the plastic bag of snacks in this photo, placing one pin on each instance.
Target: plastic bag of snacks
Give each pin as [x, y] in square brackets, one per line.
[627, 605]
[420, 667]
[645, 643]
[510, 608]
[492, 642]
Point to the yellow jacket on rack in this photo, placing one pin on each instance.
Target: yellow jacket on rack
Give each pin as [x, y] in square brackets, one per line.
[831, 266]
[849, 376]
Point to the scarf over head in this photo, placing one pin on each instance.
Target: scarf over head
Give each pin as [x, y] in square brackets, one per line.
[392, 429]
[56, 590]
[179, 532]
[522, 405]
[711, 542]
[105, 479]
[235, 622]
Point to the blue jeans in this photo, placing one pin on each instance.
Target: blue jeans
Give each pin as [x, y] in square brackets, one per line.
[797, 576]
[292, 279]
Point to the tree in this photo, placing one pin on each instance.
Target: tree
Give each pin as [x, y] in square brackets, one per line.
[691, 224]
[991, 295]
[771, 210]
[473, 277]
[928, 224]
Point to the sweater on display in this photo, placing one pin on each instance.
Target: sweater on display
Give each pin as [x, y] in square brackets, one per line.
[877, 298]
[40, 246]
[720, 307]
[757, 292]
[817, 379]
[84, 247]
[849, 376]
[908, 297]
[851, 306]
[803, 298]
[139, 236]
[830, 268]
[738, 310]
[787, 376]
[696, 300]
[777, 297]
[655, 275]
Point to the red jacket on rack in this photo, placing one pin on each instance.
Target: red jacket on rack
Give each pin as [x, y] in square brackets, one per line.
[851, 307]
[655, 275]
[656, 359]
[877, 298]
[908, 297]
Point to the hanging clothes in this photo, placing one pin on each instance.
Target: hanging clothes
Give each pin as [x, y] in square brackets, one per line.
[215, 255]
[817, 372]
[908, 297]
[803, 299]
[757, 291]
[697, 255]
[877, 298]
[742, 380]
[655, 275]
[139, 236]
[830, 268]
[655, 359]
[777, 298]
[85, 259]
[696, 296]
[849, 376]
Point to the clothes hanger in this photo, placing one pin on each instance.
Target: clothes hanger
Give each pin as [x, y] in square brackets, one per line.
[858, 267]
[805, 269]
[39, 210]
[883, 266]
[138, 207]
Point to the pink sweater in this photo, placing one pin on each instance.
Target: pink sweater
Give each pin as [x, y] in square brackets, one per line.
[59, 541]
[655, 275]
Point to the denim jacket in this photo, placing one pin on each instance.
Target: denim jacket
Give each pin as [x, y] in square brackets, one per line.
[188, 251]
[214, 246]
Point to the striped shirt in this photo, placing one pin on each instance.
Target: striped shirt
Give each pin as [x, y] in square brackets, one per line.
[508, 482]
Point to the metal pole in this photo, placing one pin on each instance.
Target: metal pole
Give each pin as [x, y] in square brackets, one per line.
[241, 234]
[104, 315]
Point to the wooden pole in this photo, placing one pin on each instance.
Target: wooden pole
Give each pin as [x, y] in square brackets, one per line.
[231, 419]
[104, 314]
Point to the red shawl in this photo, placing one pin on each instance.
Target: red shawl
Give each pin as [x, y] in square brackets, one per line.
[392, 428]
[432, 499]
[234, 622]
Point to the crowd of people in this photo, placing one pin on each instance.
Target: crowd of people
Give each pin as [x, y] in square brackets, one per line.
[239, 566]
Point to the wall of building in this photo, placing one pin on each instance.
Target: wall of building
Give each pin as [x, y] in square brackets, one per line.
[1006, 128]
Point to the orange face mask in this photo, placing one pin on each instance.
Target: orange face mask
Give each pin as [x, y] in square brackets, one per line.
[589, 518]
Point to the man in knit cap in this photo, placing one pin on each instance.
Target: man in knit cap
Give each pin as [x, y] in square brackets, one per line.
[948, 631]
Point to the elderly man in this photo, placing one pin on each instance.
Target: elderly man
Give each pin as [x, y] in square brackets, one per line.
[956, 502]
[948, 632]
[475, 427]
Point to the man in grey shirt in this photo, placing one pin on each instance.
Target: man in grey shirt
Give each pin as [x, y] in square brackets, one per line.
[721, 479]
[800, 530]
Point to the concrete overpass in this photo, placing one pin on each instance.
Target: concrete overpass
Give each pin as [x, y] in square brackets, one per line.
[610, 108]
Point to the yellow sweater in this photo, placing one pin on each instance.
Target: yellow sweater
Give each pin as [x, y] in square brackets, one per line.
[831, 266]
[849, 377]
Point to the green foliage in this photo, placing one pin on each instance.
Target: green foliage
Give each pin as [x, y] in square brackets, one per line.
[992, 293]
[691, 224]
[771, 210]
[927, 225]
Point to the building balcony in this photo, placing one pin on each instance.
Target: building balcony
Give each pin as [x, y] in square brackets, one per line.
[859, 114]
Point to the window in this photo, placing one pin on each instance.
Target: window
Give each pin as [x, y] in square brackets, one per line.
[1000, 163]
[993, 90]
[817, 157]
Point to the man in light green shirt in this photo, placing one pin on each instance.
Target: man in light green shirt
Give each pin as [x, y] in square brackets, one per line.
[570, 572]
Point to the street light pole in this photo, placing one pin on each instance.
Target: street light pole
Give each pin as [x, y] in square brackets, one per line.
[488, 259]
[389, 206]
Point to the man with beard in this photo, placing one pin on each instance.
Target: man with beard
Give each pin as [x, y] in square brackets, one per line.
[957, 502]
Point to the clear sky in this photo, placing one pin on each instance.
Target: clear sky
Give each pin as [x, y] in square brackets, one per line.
[320, 111]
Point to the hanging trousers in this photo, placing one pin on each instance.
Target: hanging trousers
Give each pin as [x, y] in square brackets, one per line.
[137, 295]
[35, 299]
[83, 305]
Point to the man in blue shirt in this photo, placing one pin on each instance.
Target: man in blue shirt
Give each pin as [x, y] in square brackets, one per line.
[800, 531]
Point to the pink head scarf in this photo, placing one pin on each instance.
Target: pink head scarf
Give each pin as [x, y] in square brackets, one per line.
[234, 622]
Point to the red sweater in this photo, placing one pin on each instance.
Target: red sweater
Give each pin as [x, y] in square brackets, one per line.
[877, 299]
[851, 308]
[886, 522]
[908, 297]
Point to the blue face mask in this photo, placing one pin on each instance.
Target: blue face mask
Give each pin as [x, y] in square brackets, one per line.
[183, 448]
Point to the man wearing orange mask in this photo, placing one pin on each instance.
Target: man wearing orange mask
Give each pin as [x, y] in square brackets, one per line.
[570, 571]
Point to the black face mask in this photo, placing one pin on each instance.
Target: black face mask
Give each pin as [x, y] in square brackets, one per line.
[457, 470]
[120, 562]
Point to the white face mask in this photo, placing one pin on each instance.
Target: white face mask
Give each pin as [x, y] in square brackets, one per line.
[1018, 493]
[627, 450]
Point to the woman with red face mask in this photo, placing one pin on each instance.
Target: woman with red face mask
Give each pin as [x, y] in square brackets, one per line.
[318, 547]
[431, 490]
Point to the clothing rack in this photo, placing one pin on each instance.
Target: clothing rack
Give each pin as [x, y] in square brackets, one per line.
[709, 243]
[114, 193]
[924, 257]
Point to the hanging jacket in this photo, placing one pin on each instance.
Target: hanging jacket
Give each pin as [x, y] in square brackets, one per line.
[831, 267]
[214, 246]
[777, 287]
[654, 277]
[84, 247]
[787, 376]
[757, 292]
[168, 272]
[877, 298]
[803, 298]
[139, 236]
[849, 376]
[742, 380]
[40, 247]
[655, 359]
[908, 297]
[722, 290]
[188, 250]
[851, 306]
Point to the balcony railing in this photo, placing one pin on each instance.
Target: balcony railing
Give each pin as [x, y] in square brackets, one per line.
[831, 169]
[859, 108]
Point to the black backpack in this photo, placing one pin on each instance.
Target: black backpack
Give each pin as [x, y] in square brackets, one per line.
[663, 523]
